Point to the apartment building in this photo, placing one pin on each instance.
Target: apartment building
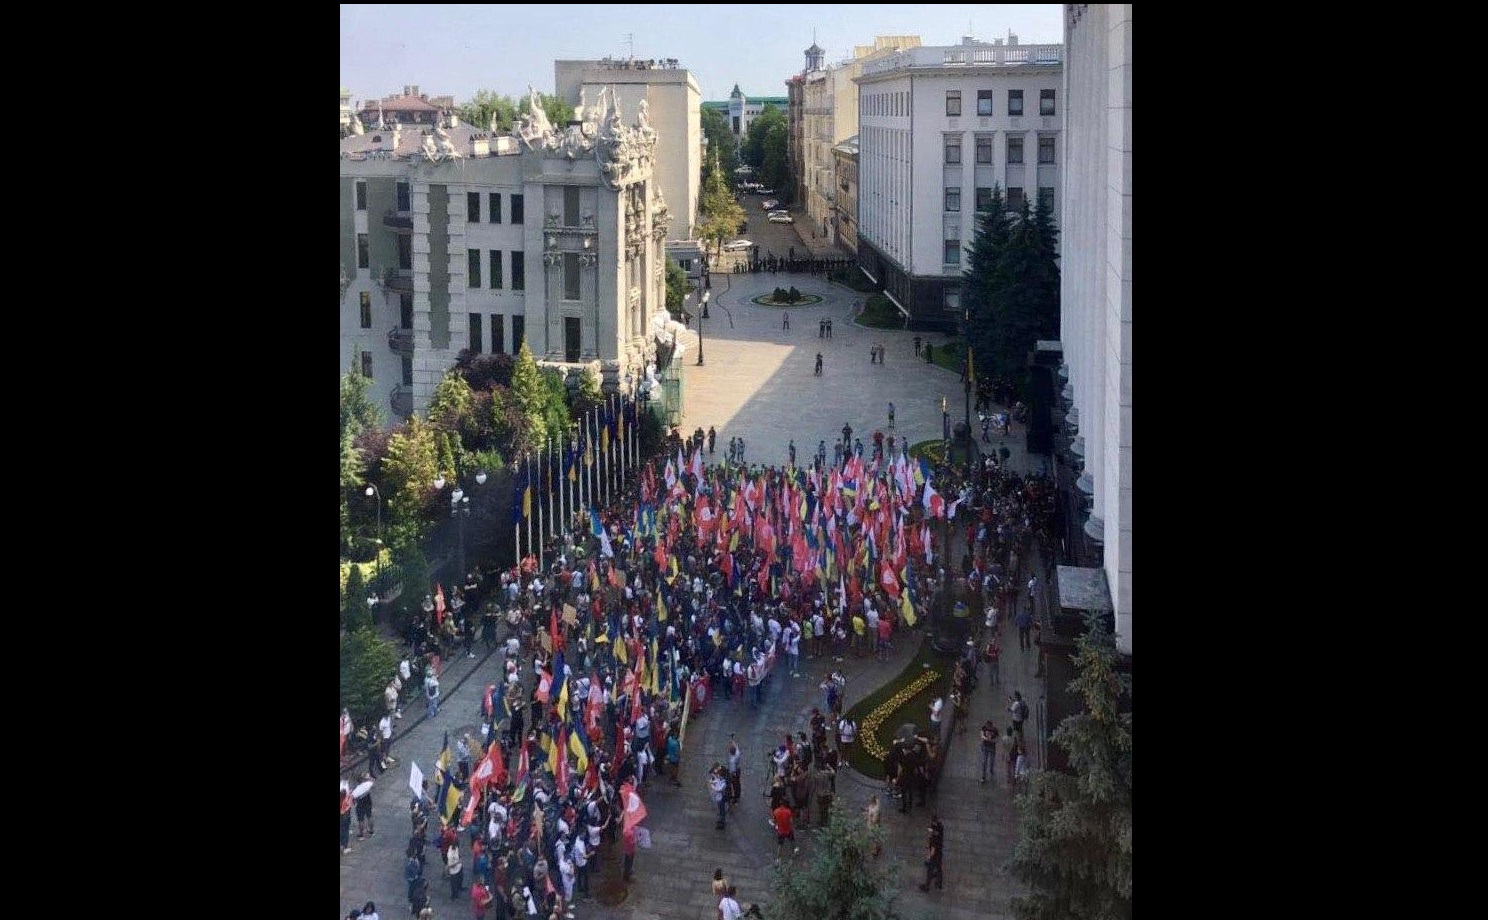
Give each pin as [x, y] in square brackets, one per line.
[938, 127]
[452, 238]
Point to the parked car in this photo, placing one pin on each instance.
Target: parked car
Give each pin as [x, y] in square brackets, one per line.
[737, 246]
[765, 191]
[781, 218]
[777, 211]
[769, 204]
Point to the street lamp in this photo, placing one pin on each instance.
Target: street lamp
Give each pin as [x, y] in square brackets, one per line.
[702, 316]
[460, 510]
[373, 491]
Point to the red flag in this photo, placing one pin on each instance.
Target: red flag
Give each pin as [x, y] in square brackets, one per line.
[634, 808]
[543, 685]
[890, 580]
[562, 776]
[553, 630]
[486, 700]
[591, 776]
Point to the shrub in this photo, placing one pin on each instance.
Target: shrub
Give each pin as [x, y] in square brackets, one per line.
[793, 295]
[368, 662]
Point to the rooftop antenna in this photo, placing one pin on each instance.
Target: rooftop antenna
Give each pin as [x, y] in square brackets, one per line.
[630, 46]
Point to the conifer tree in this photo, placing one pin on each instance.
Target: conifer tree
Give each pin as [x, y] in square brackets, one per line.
[531, 396]
[840, 879]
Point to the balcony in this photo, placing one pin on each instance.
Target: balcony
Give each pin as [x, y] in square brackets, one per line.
[401, 399]
[401, 223]
[401, 341]
[398, 280]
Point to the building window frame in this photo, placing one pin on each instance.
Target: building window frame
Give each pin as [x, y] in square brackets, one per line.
[573, 288]
[1046, 102]
[953, 103]
[984, 149]
[495, 274]
[361, 194]
[984, 102]
[477, 336]
[518, 271]
[1046, 195]
[518, 208]
[1015, 151]
[366, 309]
[1015, 103]
[1015, 198]
[953, 150]
[364, 251]
[953, 198]
[472, 207]
[472, 269]
[1046, 149]
[951, 253]
[367, 364]
[983, 198]
[493, 210]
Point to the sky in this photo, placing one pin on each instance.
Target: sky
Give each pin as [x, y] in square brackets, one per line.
[456, 49]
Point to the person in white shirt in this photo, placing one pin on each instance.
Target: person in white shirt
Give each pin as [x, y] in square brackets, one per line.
[793, 649]
[385, 726]
[728, 907]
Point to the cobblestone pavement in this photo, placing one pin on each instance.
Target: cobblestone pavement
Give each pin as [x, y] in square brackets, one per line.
[757, 381]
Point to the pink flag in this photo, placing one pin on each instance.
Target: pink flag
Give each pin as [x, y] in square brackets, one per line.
[635, 809]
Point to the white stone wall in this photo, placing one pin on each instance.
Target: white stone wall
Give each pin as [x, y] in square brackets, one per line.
[1096, 273]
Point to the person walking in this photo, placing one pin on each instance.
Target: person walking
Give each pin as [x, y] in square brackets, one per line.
[935, 855]
[891, 415]
[821, 789]
[989, 749]
[1024, 621]
[735, 762]
[1019, 711]
[818, 370]
[454, 869]
[785, 830]
[365, 826]
[821, 330]
[785, 321]
[385, 729]
[346, 805]
[628, 847]
[718, 791]
[847, 733]
[917, 346]
[829, 328]
[431, 692]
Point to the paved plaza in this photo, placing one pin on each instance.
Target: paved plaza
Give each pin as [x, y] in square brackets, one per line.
[757, 382]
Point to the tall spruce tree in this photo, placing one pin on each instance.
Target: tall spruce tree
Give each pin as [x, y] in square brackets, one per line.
[1075, 832]
[531, 396]
[982, 286]
[1011, 287]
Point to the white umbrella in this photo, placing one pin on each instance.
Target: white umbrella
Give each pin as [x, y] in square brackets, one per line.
[362, 789]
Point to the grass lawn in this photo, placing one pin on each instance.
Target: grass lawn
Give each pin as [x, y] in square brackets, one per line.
[950, 354]
[880, 313]
[854, 279]
[915, 708]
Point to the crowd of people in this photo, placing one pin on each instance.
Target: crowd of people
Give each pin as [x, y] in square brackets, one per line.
[694, 582]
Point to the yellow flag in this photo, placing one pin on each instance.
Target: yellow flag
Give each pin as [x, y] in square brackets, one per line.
[907, 609]
[661, 608]
[655, 684]
[620, 655]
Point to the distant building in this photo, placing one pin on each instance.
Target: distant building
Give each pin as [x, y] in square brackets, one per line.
[673, 97]
[740, 110]
[845, 208]
[408, 108]
[937, 128]
[451, 238]
[346, 110]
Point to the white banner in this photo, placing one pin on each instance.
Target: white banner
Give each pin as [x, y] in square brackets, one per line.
[416, 780]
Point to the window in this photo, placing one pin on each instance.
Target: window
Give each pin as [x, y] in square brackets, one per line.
[519, 333]
[1046, 198]
[408, 370]
[517, 209]
[1014, 198]
[472, 207]
[1046, 102]
[983, 198]
[366, 364]
[984, 149]
[366, 309]
[953, 149]
[495, 269]
[363, 257]
[361, 193]
[1015, 151]
[570, 276]
[1015, 102]
[498, 333]
[405, 252]
[405, 311]
[570, 206]
[953, 102]
[952, 252]
[495, 208]
[473, 269]
[984, 102]
[519, 279]
[1046, 150]
[953, 199]
[475, 333]
[403, 199]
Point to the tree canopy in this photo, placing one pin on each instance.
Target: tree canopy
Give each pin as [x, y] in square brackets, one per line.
[721, 212]
[1075, 832]
[1010, 290]
[721, 141]
[840, 879]
[507, 110]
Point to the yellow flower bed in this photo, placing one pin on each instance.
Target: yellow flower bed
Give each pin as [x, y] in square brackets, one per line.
[868, 732]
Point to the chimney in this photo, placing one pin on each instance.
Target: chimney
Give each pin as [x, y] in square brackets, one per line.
[415, 90]
[407, 90]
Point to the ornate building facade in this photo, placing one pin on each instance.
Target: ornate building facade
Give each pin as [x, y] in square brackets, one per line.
[455, 237]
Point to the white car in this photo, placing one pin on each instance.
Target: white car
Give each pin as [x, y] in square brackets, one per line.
[737, 246]
[780, 218]
[769, 204]
[764, 191]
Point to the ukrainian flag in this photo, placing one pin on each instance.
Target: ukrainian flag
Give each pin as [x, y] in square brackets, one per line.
[578, 745]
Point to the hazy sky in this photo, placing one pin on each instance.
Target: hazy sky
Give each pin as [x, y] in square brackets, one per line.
[456, 49]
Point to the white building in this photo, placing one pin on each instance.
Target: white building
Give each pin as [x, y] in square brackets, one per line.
[1096, 275]
[674, 99]
[451, 238]
[830, 116]
[937, 127]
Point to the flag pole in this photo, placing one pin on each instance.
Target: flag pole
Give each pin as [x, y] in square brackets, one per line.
[528, 516]
[620, 404]
[553, 473]
[517, 526]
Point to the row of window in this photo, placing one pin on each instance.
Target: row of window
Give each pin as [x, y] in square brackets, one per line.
[1014, 102]
[407, 362]
[498, 333]
[405, 310]
[1013, 196]
[984, 150]
[403, 196]
[473, 269]
[493, 211]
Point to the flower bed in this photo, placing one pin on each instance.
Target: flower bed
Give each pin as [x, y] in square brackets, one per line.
[870, 727]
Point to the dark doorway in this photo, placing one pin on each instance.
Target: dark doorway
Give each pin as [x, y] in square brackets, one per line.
[571, 329]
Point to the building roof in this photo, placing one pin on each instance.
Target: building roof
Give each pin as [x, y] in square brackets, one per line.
[815, 50]
[736, 91]
[411, 141]
[402, 104]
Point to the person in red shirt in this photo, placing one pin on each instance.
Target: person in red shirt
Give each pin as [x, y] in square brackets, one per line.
[480, 899]
[785, 829]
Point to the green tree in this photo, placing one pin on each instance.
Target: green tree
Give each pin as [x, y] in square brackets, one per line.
[1075, 831]
[753, 148]
[1011, 287]
[721, 212]
[589, 390]
[559, 110]
[354, 612]
[531, 397]
[358, 410]
[720, 141]
[413, 567]
[408, 474]
[677, 287]
[452, 406]
[485, 104]
[982, 283]
[840, 880]
[555, 407]
[368, 662]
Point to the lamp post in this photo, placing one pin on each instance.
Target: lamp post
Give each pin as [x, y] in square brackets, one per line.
[371, 492]
[460, 510]
[701, 316]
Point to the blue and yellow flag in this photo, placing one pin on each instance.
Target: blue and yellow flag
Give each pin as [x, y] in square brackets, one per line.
[578, 745]
[559, 689]
[516, 515]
